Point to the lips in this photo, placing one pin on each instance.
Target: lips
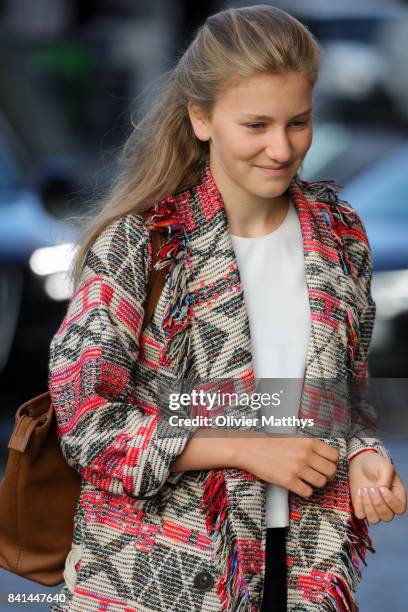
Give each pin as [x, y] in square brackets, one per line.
[273, 171]
[274, 167]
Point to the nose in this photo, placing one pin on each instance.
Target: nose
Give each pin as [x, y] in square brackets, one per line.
[278, 147]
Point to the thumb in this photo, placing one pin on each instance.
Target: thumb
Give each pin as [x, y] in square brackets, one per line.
[386, 474]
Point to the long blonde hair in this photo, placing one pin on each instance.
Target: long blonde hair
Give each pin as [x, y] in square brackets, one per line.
[162, 154]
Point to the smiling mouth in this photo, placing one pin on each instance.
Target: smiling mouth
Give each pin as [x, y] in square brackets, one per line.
[276, 172]
[274, 168]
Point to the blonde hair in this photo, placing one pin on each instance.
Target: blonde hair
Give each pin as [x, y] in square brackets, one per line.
[162, 154]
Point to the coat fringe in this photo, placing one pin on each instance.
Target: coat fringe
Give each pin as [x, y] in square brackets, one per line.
[326, 192]
[175, 253]
[231, 589]
[339, 596]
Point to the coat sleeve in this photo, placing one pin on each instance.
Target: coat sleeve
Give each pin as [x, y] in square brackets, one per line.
[363, 415]
[111, 441]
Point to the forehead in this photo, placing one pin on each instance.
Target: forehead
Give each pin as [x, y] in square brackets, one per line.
[262, 94]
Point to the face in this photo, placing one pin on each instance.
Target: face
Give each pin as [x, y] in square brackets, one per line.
[259, 133]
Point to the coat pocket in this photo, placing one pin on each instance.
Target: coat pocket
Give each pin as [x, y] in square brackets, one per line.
[72, 566]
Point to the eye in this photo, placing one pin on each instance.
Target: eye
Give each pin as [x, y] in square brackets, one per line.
[299, 122]
[255, 126]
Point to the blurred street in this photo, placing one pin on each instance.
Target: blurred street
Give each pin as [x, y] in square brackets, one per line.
[89, 68]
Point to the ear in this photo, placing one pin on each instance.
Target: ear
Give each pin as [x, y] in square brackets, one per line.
[199, 121]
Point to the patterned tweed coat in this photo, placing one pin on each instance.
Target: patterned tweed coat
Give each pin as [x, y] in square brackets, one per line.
[146, 539]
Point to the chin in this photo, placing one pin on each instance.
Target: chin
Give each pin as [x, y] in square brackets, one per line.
[269, 193]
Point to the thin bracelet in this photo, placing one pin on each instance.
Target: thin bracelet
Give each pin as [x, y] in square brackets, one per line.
[363, 450]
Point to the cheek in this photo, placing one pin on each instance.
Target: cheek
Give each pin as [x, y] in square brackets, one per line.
[309, 137]
[304, 141]
[232, 142]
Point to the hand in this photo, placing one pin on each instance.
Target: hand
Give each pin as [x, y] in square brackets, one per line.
[295, 463]
[377, 492]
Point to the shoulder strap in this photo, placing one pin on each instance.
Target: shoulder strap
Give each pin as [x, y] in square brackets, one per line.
[156, 279]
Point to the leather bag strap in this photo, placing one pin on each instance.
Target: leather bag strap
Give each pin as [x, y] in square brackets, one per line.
[156, 278]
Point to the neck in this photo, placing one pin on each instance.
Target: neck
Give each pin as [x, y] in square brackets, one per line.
[249, 216]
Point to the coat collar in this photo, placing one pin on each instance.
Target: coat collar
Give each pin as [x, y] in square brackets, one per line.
[218, 315]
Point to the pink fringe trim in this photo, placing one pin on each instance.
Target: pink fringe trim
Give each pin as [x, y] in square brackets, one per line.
[339, 596]
[231, 589]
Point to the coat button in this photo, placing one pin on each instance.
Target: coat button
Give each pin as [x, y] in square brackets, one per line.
[203, 581]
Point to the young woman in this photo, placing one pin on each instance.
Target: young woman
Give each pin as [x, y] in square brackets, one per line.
[268, 276]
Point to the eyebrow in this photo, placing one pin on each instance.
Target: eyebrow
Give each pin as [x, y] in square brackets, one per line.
[267, 117]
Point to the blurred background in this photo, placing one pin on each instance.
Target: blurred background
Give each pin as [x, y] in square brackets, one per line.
[72, 72]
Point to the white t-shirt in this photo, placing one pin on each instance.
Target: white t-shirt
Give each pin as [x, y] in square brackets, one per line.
[273, 280]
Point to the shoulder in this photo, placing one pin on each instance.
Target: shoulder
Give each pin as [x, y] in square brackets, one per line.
[122, 236]
[343, 216]
[121, 250]
[344, 221]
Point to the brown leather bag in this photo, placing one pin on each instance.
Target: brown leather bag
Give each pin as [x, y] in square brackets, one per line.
[40, 491]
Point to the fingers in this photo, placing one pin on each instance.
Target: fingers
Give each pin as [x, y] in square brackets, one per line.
[311, 476]
[380, 503]
[368, 506]
[301, 488]
[383, 511]
[397, 504]
[327, 451]
[358, 505]
[324, 466]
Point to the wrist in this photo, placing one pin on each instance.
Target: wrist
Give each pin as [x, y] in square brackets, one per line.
[359, 452]
[240, 449]
[234, 453]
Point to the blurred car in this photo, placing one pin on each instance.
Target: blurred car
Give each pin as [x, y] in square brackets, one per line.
[380, 195]
[36, 248]
[370, 163]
